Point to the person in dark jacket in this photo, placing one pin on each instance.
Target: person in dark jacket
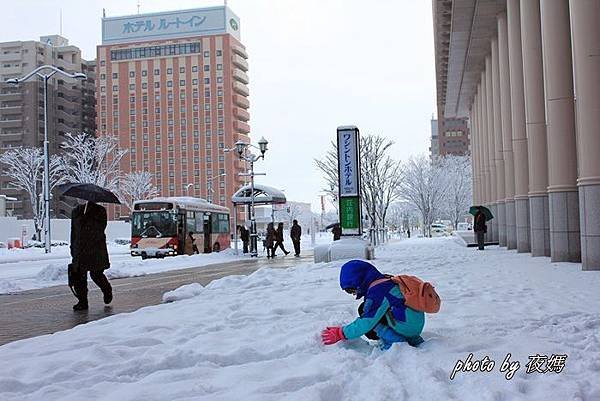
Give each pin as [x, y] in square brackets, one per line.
[245, 237]
[89, 252]
[279, 240]
[270, 240]
[336, 231]
[480, 229]
[295, 234]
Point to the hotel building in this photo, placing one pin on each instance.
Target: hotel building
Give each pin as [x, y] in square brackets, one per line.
[172, 87]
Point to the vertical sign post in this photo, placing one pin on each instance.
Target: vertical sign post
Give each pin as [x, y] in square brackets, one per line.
[348, 145]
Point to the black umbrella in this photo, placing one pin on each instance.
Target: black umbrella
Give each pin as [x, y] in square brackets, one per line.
[88, 192]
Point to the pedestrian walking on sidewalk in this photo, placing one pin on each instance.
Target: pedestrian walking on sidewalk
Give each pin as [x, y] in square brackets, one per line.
[480, 229]
[270, 240]
[245, 237]
[279, 239]
[296, 234]
[89, 252]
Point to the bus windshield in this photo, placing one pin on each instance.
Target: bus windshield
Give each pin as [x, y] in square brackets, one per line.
[154, 224]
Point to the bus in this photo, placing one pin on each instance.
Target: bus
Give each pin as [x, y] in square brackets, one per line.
[178, 225]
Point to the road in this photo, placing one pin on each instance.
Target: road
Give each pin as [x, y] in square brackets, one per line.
[48, 310]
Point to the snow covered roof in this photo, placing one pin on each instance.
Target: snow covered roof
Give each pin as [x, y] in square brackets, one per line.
[187, 202]
[263, 195]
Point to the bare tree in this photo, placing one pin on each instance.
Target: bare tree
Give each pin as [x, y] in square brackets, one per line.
[424, 186]
[25, 167]
[459, 188]
[137, 186]
[88, 159]
[380, 176]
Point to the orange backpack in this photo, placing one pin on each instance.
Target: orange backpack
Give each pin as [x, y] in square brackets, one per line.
[418, 294]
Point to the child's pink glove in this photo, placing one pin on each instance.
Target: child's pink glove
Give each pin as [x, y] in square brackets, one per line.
[332, 335]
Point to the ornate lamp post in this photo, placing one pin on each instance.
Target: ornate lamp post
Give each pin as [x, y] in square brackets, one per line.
[45, 76]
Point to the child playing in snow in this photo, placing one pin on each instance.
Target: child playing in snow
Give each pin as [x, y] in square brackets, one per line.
[383, 311]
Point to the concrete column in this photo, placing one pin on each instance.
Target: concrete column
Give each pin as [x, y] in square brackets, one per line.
[474, 172]
[517, 107]
[505, 107]
[585, 37]
[563, 198]
[499, 150]
[535, 120]
[493, 225]
[484, 142]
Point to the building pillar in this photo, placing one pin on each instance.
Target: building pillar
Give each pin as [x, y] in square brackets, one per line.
[474, 153]
[498, 146]
[505, 107]
[535, 120]
[563, 198]
[491, 149]
[517, 107]
[585, 31]
[485, 164]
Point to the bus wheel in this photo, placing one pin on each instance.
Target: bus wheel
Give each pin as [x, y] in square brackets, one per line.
[216, 247]
[144, 255]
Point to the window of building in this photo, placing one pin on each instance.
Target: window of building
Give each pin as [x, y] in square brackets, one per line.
[169, 71]
[194, 81]
[131, 87]
[194, 68]
[171, 161]
[219, 80]
[206, 54]
[220, 92]
[157, 84]
[220, 105]
[102, 76]
[182, 82]
[153, 51]
[102, 63]
[181, 70]
[115, 88]
[219, 53]
[144, 85]
[144, 73]
[206, 81]
[115, 75]
[131, 74]
[156, 71]
[169, 84]
[219, 67]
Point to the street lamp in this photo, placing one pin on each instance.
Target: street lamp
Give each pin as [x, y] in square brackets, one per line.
[187, 188]
[241, 149]
[210, 189]
[38, 72]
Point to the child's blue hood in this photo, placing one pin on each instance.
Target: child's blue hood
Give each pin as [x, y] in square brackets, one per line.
[358, 274]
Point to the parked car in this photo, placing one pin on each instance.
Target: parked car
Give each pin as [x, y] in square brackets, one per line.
[463, 227]
[438, 230]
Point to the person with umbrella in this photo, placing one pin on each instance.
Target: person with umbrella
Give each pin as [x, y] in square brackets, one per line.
[481, 215]
[88, 241]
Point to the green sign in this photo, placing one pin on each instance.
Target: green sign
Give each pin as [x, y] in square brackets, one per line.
[350, 212]
[234, 24]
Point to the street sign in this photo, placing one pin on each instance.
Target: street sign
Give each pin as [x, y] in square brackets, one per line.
[348, 141]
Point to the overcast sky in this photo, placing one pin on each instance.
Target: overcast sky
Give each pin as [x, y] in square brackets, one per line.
[314, 65]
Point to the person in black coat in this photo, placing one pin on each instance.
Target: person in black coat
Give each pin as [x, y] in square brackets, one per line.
[89, 252]
[270, 240]
[295, 234]
[337, 232]
[279, 240]
[245, 237]
[480, 229]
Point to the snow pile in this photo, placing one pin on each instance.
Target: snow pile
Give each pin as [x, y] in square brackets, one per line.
[54, 272]
[257, 338]
[184, 292]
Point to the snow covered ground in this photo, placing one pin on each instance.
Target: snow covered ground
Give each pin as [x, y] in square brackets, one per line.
[31, 268]
[257, 337]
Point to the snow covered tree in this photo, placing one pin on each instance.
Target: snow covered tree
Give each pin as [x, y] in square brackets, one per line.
[137, 186]
[88, 159]
[423, 184]
[459, 187]
[329, 167]
[25, 167]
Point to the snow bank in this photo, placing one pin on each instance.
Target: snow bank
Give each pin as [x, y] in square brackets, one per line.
[184, 292]
[257, 338]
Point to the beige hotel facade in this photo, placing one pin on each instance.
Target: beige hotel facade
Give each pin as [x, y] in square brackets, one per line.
[527, 74]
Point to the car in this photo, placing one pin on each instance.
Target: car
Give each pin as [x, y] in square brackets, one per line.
[463, 227]
[438, 230]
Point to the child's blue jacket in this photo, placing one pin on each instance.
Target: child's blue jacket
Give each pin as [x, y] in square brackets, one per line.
[384, 299]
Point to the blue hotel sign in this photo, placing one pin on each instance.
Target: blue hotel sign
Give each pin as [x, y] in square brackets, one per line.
[170, 25]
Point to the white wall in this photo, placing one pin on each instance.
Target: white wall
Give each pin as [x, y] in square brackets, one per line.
[10, 227]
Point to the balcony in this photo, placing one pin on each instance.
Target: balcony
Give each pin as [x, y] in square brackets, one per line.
[240, 75]
[241, 126]
[11, 57]
[13, 108]
[241, 88]
[241, 114]
[11, 96]
[240, 62]
[241, 101]
[11, 123]
[239, 50]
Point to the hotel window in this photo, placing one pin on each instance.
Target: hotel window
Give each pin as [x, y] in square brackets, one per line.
[169, 71]
[182, 109]
[170, 122]
[195, 94]
[220, 131]
[102, 76]
[208, 133]
[102, 63]
[182, 82]
[181, 70]
[144, 73]
[115, 75]
[220, 92]
[221, 145]
[219, 67]
[132, 124]
[157, 123]
[195, 107]
[157, 110]
[158, 162]
[220, 105]
[206, 106]
[158, 149]
[169, 84]
[206, 67]
[194, 81]
[196, 134]
[184, 148]
[196, 146]
[156, 71]
[219, 80]
[196, 172]
[220, 119]
[222, 198]
[144, 85]
[206, 54]
[207, 81]
[157, 98]
[194, 68]
[115, 88]
[171, 161]
[195, 120]
[170, 135]
[145, 136]
[157, 84]
[219, 53]
[171, 187]
[131, 87]
[208, 146]
[170, 148]
[221, 184]
[132, 112]
[133, 137]
[182, 95]
[207, 120]
[170, 96]
[221, 158]
[115, 114]
[131, 74]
